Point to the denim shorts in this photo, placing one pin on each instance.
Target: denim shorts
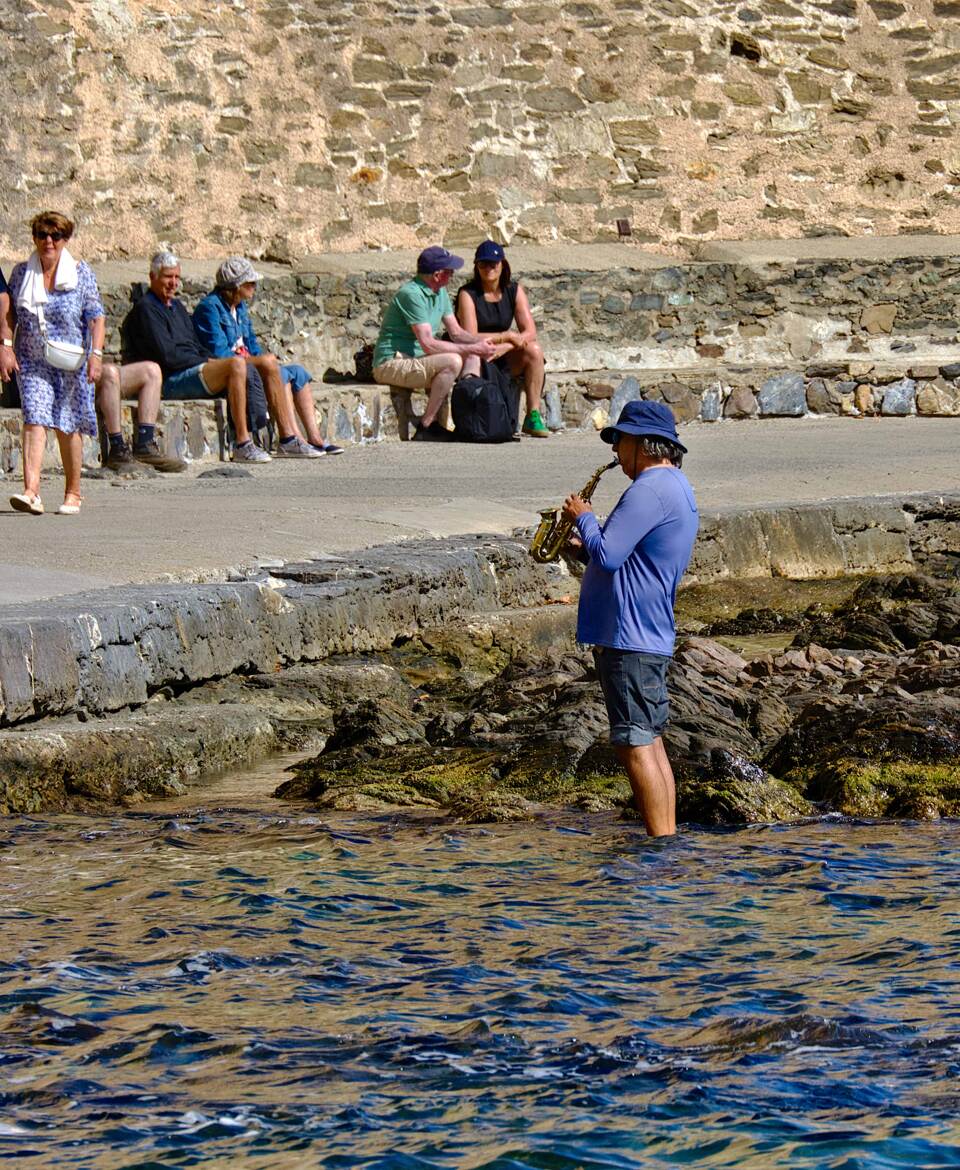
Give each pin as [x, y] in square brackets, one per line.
[296, 377]
[185, 384]
[634, 686]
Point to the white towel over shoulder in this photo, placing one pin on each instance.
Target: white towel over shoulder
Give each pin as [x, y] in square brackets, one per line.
[32, 291]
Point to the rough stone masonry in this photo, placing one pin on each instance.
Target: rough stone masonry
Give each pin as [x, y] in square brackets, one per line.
[284, 127]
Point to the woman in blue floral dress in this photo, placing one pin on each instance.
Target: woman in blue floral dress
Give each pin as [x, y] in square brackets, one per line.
[54, 297]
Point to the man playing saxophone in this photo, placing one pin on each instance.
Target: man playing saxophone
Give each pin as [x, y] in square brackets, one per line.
[635, 562]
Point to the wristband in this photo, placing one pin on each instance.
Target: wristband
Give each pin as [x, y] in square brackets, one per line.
[8, 343]
[97, 352]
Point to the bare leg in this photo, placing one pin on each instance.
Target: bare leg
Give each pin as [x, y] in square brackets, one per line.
[651, 779]
[230, 374]
[471, 366]
[34, 439]
[441, 386]
[529, 361]
[108, 397]
[278, 395]
[143, 381]
[71, 455]
[303, 401]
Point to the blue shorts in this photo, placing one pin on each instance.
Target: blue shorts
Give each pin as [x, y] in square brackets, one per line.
[185, 384]
[634, 686]
[296, 376]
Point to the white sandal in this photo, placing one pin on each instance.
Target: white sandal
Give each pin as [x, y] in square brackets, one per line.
[66, 509]
[27, 503]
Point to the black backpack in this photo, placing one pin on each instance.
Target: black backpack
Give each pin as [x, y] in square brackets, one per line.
[484, 408]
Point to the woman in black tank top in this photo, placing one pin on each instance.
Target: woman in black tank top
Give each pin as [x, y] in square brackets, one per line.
[489, 306]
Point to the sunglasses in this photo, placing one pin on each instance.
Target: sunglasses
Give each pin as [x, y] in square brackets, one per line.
[55, 236]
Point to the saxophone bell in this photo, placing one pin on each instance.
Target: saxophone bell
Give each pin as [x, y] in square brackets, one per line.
[554, 529]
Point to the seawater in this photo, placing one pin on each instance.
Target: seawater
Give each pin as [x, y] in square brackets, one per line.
[257, 986]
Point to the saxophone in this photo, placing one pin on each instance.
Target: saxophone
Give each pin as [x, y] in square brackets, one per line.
[553, 532]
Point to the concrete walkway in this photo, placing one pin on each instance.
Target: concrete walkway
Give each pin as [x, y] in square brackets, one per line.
[188, 528]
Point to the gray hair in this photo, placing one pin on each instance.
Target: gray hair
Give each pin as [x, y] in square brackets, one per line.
[657, 448]
[163, 260]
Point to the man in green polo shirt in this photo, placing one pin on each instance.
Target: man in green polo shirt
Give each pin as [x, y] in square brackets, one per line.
[409, 351]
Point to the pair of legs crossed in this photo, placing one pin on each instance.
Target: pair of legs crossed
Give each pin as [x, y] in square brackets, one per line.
[219, 375]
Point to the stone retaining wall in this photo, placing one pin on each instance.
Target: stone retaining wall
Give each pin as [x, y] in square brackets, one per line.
[96, 653]
[618, 309]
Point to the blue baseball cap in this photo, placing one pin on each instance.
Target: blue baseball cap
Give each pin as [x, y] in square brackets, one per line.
[644, 418]
[435, 259]
[489, 252]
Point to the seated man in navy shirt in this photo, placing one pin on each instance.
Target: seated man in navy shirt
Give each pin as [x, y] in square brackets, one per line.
[635, 563]
[158, 329]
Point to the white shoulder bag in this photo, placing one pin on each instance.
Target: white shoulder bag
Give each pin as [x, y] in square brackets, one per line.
[62, 355]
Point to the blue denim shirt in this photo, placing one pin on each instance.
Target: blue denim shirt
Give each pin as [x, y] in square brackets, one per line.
[220, 331]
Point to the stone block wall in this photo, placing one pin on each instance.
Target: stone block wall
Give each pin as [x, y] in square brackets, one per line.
[630, 312]
[285, 127]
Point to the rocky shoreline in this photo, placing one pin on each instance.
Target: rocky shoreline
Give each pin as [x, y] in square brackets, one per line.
[859, 716]
[444, 675]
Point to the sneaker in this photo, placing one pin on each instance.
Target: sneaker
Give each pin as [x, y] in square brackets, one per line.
[249, 452]
[534, 425]
[328, 448]
[296, 448]
[120, 459]
[150, 453]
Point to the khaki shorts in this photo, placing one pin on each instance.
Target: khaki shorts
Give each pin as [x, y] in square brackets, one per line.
[413, 373]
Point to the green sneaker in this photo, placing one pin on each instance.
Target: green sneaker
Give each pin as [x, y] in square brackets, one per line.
[534, 425]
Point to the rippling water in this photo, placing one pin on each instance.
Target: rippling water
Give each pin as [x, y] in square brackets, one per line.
[252, 986]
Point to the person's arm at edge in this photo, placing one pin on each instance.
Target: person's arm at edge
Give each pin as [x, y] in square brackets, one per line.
[98, 333]
[8, 359]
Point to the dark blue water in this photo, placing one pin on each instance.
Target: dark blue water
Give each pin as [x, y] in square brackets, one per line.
[243, 988]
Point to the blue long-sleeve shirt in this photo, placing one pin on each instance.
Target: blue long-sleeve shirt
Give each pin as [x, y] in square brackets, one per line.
[220, 330]
[636, 561]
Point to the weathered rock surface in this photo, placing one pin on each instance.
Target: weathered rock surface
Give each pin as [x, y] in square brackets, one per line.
[265, 126]
[808, 729]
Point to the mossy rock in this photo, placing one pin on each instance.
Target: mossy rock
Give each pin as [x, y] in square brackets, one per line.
[729, 790]
[899, 789]
[487, 807]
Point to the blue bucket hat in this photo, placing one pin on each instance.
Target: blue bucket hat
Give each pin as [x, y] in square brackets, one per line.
[644, 418]
[435, 259]
[489, 252]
